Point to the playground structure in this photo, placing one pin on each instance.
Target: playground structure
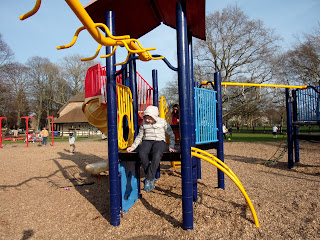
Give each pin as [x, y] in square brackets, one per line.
[189, 21]
[187, 24]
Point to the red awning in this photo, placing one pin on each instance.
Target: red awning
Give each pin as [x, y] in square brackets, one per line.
[136, 18]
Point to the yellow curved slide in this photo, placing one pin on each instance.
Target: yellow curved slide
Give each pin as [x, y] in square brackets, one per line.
[96, 113]
[224, 168]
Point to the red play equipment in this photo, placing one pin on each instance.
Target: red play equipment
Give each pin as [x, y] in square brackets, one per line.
[27, 119]
[1, 130]
[96, 85]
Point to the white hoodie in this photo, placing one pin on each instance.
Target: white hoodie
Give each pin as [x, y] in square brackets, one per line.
[156, 131]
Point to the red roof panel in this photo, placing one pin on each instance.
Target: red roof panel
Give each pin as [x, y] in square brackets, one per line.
[136, 18]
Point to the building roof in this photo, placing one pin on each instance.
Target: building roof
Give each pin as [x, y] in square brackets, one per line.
[137, 18]
[74, 116]
[77, 98]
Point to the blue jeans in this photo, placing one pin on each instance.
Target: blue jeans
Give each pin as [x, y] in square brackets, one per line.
[156, 148]
[44, 140]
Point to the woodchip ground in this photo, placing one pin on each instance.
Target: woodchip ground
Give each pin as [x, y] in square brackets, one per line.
[45, 193]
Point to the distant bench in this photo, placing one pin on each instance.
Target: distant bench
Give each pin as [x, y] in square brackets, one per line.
[12, 138]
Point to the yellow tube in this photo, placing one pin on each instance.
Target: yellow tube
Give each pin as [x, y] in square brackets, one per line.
[32, 12]
[217, 160]
[235, 180]
[73, 40]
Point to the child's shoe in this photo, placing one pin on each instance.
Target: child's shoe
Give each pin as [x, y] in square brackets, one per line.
[152, 182]
[147, 185]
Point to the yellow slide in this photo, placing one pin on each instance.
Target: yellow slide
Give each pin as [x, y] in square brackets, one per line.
[96, 113]
[98, 167]
[224, 168]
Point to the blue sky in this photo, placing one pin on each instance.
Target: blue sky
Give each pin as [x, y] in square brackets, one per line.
[55, 24]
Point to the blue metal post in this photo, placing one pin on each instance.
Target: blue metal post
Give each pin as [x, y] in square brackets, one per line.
[155, 88]
[133, 86]
[220, 152]
[184, 95]
[134, 91]
[289, 129]
[124, 74]
[115, 193]
[295, 128]
[195, 161]
[155, 102]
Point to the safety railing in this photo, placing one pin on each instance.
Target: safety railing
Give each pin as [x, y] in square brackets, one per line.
[308, 104]
[96, 85]
[205, 114]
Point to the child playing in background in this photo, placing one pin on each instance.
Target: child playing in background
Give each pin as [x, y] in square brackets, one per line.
[71, 142]
[152, 138]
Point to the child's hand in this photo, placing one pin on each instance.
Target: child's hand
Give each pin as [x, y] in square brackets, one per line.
[172, 150]
[130, 149]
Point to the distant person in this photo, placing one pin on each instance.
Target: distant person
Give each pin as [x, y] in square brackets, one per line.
[44, 134]
[224, 130]
[175, 115]
[33, 136]
[152, 138]
[15, 131]
[238, 127]
[274, 131]
[230, 130]
[72, 143]
[103, 136]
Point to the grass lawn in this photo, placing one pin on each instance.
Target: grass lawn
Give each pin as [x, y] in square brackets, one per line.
[255, 137]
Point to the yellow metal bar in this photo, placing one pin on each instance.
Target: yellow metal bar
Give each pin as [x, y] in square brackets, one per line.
[234, 179]
[216, 159]
[94, 56]
[262, 85]
[32, 12]
[257, 85]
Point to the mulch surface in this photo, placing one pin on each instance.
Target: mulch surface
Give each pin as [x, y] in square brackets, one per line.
[45, 193]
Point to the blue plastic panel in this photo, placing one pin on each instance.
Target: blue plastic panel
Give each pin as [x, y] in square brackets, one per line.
[205, 114]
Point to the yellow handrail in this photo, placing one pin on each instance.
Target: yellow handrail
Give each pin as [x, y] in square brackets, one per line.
[257, 85]
[230, 174]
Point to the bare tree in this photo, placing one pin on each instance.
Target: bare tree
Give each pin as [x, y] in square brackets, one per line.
[38, 74]
[74, 72]
[243, 50]
[6, 54]
[17, 81]
[171, 93]
[302, 64]
[7, 96]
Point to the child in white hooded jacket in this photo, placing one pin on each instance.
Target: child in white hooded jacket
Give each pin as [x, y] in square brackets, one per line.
[152, 138]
